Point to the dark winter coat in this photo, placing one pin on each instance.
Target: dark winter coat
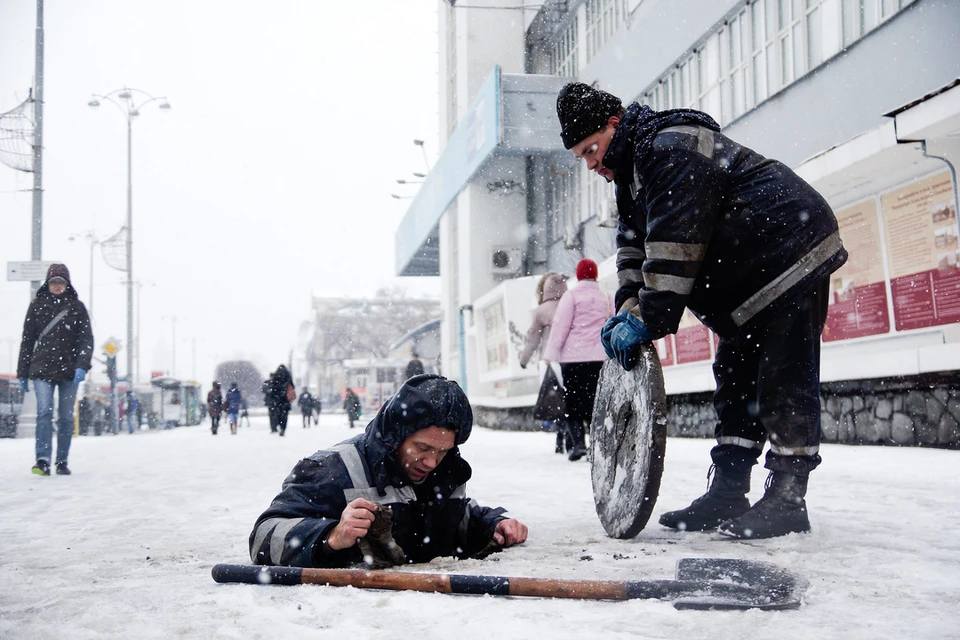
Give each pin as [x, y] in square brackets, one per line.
[433, 518]
[351, 404]
[214, 403]
[277, 393]
[414, 368]
[66, 348]
[305, 402]
[234, 398]
[709, 224]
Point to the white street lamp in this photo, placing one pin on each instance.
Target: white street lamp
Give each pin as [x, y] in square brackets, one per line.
[129, 101]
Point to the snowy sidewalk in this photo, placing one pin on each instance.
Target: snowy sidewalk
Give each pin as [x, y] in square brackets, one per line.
[123, 548]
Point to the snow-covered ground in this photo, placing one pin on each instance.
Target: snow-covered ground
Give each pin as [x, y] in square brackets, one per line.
[123, 548]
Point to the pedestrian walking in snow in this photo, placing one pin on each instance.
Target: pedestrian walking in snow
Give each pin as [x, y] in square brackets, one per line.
[305, 402]
[280, 394]
[414, 367]
[575, 344]
[215, 406]
[55, 352]
[317, 408]
[392, 495]
[351, 404]
[549, 408]
[133, 413]
[745, 244]
[232, 406]
[244, 410]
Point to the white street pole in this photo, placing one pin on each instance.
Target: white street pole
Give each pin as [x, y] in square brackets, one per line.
[36, 249]
[131, 374]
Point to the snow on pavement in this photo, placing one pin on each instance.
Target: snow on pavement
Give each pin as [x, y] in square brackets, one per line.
[124, 547]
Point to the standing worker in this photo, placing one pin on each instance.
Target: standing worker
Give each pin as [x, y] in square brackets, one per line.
[743, 242]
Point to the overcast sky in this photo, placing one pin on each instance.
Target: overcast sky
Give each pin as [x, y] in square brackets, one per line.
[270, 178]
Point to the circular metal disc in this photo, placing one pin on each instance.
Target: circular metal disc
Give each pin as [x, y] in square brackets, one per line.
[628, 437]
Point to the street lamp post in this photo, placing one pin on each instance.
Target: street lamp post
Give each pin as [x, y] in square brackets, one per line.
[419, 143]
[92, 238]
[129, 101]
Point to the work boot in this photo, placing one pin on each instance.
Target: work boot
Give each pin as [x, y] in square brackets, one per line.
[726, 498]
[780, 511]
[62, 469]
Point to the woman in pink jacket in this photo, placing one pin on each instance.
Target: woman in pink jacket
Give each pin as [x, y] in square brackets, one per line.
[575, 343]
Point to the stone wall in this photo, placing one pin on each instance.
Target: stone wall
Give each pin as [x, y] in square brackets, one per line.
[904, 411]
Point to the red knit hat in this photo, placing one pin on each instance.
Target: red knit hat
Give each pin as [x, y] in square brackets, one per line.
[586, 269]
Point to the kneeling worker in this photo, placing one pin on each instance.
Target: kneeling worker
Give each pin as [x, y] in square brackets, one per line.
[392, 495]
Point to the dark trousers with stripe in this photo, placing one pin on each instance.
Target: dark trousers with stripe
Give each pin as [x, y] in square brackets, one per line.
[580, 391]
[768, 387]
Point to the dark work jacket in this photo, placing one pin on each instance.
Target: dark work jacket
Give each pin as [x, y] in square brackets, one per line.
[66, 348]
[434, 518]
[711, 225]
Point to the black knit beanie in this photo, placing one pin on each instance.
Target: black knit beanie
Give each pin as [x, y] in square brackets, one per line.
[583, 111]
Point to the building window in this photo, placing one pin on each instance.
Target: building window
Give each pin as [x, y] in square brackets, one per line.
[563, 201]
[603, 18]
[761, 49]
[563, 57]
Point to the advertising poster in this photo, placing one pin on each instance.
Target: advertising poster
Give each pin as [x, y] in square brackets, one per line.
[664, 348]
[858, 290]
[692, 340]
[920, 221]
[495, 336]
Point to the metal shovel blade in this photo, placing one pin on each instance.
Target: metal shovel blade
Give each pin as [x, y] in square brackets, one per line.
[737, 584]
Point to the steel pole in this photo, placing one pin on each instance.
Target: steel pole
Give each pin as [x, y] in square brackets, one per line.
[92, 245]
[36, 249]
[130, 372]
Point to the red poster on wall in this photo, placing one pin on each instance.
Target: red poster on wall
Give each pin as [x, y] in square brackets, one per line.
[664, 348]
[858, 292]
[923, 244]
[692, 340]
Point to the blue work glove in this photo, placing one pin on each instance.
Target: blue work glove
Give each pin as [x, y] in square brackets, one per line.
[25, 385]
[78, 376]
[622, 336]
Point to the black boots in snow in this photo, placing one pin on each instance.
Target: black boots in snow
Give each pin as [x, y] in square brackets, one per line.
[726, 498]
[780, 511]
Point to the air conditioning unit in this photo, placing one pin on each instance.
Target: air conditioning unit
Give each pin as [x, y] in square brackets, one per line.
[608, 214]
[506, 261]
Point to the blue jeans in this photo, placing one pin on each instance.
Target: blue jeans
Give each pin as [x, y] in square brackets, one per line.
[68, 393]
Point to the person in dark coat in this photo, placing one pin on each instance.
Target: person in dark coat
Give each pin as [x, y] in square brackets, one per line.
[55, 352]
[351, 404]
[305, 402]
[414, 367]
[215, 406]
[232, 405]
[394, 494]
[743, 242]
[317, 408]
[280, 395]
